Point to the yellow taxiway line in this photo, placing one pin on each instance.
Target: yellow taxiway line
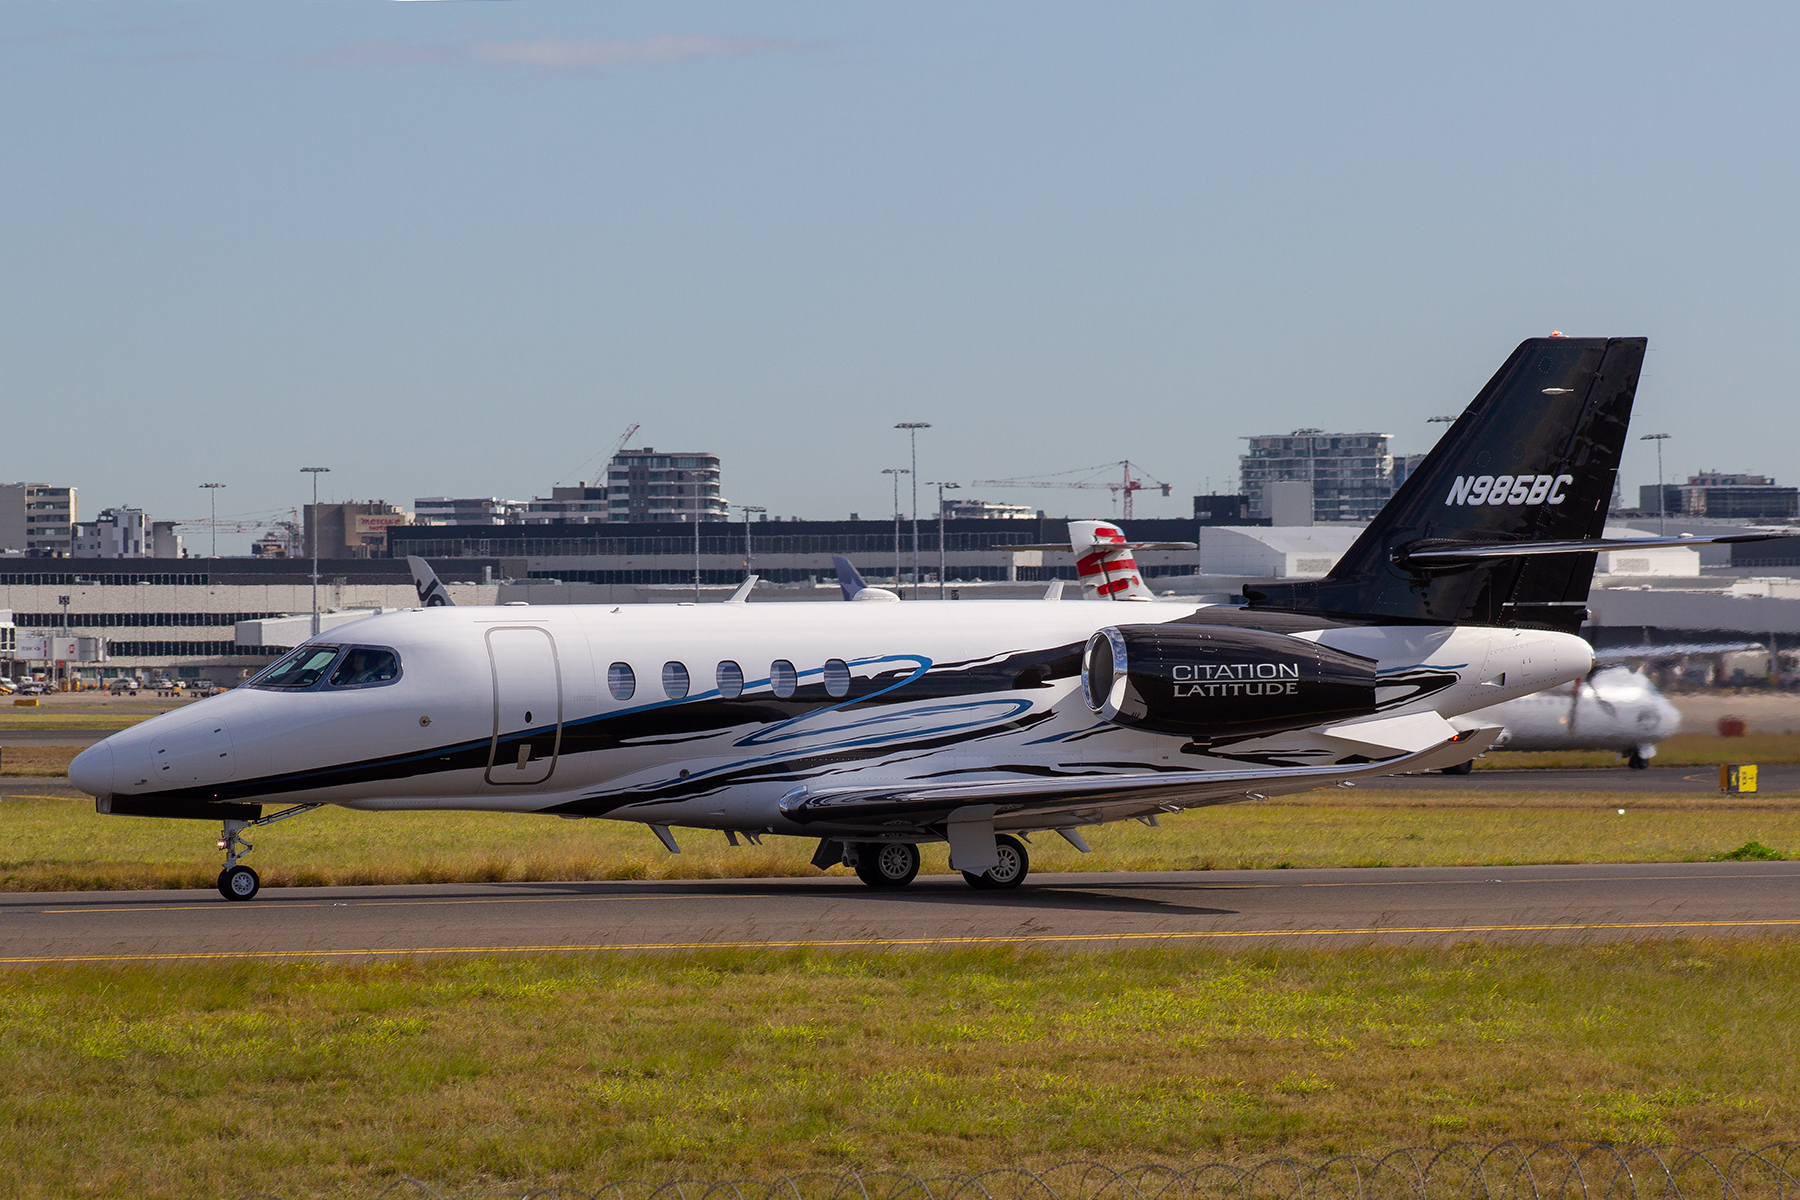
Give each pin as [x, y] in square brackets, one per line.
[898, 943]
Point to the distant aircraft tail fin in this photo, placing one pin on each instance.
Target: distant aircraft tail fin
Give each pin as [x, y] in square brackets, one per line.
[851, 581]
[1104, 560]
[1480, 532]
[432, 593]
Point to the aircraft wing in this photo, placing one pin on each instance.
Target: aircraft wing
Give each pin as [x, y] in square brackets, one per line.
[1076, 794]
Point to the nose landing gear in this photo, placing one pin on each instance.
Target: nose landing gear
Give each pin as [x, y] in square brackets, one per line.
[236, 881]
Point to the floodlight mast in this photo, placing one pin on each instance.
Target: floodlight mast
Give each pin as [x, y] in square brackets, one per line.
[315, 472]
[213, 490]
[1661, 496]
[942, 570]
[896, 472]
[912, 432]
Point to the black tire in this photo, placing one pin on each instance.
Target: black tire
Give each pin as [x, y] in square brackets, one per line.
[1637, 762]
[239, 883]
[1458, 769]
[1015, 864]
[887, 864]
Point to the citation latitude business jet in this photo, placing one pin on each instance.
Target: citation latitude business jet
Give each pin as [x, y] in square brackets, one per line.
[875, 728]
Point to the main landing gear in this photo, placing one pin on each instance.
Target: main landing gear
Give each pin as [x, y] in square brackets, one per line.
[887, 864]
[1009, 872]
[236, 881]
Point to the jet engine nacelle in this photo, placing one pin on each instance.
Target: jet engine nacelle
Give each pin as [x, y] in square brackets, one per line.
[1211, 682]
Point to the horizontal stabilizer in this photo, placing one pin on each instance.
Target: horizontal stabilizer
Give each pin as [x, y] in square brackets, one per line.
[1473, 551]
[931, 803]
[1383, 736]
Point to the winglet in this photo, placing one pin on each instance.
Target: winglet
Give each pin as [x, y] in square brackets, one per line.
[430, 588]
[742, 595]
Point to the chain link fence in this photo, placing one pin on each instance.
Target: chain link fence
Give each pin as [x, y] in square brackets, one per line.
[1513, 1170]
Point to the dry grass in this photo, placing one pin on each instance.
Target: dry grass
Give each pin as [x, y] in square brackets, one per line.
[1682, 750]
[55, 844]
[332, 1080]
[37, 761]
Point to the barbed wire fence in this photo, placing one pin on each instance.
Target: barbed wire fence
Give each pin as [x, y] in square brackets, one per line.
[1511, 1170]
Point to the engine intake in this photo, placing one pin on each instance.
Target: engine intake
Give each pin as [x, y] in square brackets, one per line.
[1211, 682]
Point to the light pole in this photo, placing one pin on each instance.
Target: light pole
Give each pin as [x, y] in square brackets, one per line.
[213, 488]
[912, 432]
[1661, 505]
[896, 472]
[749, 559]
[696, 552]
[942, 488]
[315, 472]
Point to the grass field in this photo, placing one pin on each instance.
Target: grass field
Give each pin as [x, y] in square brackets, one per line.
[334, 1080]
[1682, 750]
[59, 844]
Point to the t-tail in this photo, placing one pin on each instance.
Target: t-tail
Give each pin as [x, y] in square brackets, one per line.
[1501, 524]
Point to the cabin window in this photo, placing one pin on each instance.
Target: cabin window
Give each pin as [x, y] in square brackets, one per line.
[837, 677]
[731, 680]
[675, 680]
[301, 668]
[620, 681]
[782, 678]
[366, 666]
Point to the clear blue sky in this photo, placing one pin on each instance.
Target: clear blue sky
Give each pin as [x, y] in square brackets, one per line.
[458, 247]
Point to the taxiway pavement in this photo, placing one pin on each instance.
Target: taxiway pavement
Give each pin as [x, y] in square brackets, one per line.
[1074, 911]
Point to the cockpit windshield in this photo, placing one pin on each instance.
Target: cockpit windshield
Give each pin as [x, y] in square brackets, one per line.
[308, 666]
[301, 668]
[365, 665]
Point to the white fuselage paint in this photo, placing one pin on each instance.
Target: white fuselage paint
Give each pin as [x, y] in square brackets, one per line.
[1617, 709]
[558, 657]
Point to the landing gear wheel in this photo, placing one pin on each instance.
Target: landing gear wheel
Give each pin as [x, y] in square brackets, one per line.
[1009, 872]
[239, 883]
[1458, 769]
[887, 864]
[1637, 762]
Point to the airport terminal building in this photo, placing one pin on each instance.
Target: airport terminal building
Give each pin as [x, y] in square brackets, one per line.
[219, 620]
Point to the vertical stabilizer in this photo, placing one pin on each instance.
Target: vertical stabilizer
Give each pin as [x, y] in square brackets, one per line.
[428, 585]
[1104, 561]
[1532, 460]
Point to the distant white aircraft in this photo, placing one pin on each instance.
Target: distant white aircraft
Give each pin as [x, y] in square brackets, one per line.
[1615, 708]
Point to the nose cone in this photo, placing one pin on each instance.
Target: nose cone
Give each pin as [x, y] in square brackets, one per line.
[92, 770]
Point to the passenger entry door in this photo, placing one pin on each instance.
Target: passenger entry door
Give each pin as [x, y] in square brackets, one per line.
[527, 705]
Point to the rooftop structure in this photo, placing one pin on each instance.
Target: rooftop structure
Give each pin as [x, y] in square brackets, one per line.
[987, 510]
[472, 510]
[640, 485]
[1350, 474]
[37, 519]
[1717, 494]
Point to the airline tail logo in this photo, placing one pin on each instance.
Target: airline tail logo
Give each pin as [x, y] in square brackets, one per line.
[1508, 489]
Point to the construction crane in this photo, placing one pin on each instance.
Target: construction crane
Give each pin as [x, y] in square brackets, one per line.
[630, 432]
[1128, 486]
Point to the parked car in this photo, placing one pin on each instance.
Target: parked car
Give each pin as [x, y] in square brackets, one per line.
[32, 687]
[124, 684]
